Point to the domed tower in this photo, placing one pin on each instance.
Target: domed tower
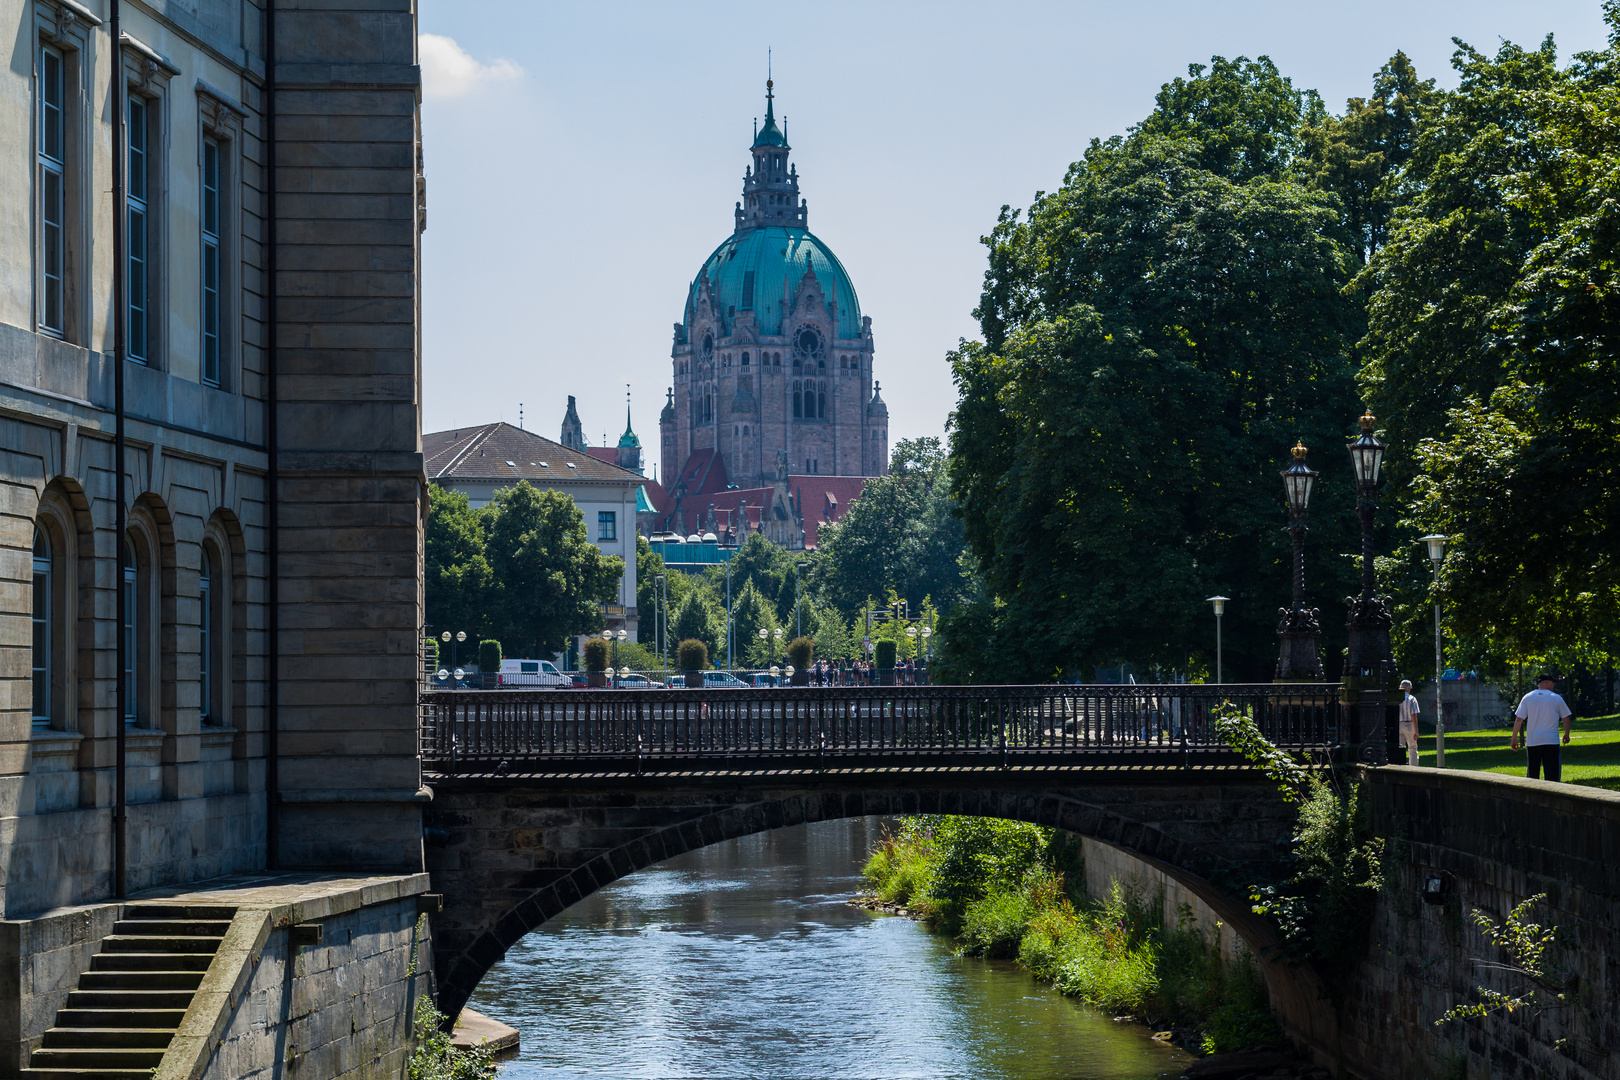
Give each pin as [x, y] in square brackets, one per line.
[772, 352]
[629, 449]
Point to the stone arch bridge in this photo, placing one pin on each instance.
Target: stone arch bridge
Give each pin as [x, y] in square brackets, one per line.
[541, 798]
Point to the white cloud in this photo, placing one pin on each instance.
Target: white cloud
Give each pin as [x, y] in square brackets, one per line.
[448, 71]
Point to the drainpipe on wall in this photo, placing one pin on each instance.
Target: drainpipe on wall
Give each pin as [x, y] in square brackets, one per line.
[272, 720]
[121, 519]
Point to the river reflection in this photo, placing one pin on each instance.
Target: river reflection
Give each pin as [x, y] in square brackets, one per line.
[744, 960]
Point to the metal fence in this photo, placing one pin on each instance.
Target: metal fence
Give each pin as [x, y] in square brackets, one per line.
[823, 727]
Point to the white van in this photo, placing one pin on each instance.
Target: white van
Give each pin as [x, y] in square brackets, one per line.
[537, 673]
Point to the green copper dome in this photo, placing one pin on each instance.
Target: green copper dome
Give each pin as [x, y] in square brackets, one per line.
[763, 259]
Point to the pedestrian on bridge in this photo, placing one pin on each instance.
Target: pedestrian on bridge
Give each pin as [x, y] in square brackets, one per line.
[1409, 722]
[1539, 714]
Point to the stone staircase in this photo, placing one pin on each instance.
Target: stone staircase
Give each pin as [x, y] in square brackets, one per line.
[120, 1020]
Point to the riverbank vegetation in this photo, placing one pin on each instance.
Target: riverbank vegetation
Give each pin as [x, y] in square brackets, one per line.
[1011, 890]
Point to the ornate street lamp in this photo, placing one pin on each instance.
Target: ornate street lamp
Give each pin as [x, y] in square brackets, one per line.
[1369, 620]
[1437, 555]
[1298, 627]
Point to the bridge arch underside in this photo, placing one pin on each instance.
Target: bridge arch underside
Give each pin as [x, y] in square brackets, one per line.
[508, 853]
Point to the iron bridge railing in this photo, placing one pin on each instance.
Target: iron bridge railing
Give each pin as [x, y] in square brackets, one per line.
[598, 731]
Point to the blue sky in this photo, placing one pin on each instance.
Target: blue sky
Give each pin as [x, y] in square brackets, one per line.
[583, 160]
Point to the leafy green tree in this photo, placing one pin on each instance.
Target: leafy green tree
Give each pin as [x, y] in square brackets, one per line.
[1156, 337]
[701, 619]
[456, 576]
[550, 579]
[902, 533]
[1492, 348]
[763, 564]
[833, 638]
[1360, 156]
[750, 613]
[1243, 116]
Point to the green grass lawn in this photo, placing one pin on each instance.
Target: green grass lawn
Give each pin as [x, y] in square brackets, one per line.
[1592, 757]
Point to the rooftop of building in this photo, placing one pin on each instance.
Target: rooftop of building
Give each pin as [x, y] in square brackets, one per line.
[501, 451]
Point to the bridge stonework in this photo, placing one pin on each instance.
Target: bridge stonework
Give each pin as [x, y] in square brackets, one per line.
[508, 853]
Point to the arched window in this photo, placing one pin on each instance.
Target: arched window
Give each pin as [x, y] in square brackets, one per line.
[745, 360]
[206, 642]
[777, 359]
[796, 401]
[133, 617]
[44, 626]
[821, 403]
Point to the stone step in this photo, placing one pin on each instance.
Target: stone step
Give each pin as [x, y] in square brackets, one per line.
[63, 1037]
[97, 1057]
[79, 1017]
[155, 961]
[129, 999]
[143, 943]
[172, 927]
[140, 980]
[178, 911]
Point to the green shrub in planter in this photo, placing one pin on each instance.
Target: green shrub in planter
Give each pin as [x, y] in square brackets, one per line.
[596, 660]
[883, 653]
[800, 652]
[692, 657]
[489, 660]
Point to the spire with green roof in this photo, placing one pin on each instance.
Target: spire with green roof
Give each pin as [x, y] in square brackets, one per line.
[771, 185]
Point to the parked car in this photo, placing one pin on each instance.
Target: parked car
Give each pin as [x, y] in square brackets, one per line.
[529, 674]
[764, 678]
[715, 679]
[579, 681]
[639, 682]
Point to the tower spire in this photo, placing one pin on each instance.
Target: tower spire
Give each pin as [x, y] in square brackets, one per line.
[771, 187]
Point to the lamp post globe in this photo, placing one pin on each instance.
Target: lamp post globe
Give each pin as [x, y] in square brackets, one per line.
[1298, 627]
[445, 637]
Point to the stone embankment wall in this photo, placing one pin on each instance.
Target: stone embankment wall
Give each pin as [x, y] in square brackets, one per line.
[278, 1002]
[1106, 864]
[1503, 839]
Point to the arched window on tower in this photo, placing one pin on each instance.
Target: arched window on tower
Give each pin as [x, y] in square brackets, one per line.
[745, 360]
[797, 409]
[821, 402]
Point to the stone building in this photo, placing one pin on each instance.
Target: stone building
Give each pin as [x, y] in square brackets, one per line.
[273, 488]
[772, 355]
[483, 459]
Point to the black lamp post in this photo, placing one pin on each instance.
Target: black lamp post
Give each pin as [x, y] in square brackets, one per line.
[1369, 620]
[1298, 627]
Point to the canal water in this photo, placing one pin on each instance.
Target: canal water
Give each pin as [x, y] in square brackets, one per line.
[745, 959]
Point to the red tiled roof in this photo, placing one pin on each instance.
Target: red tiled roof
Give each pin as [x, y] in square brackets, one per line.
[823, 499]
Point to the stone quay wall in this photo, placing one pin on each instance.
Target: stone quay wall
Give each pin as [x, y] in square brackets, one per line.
[1502, 839]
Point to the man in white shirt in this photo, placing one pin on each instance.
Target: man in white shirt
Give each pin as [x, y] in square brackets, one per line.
[1409, 723]
[1538, 715]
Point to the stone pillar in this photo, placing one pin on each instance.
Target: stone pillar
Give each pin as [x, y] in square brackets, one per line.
[352, 487]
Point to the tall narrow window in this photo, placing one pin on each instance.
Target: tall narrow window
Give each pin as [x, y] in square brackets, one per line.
[748, 290]
[607, 525]
[821, 402]
[135, 186]
[42, 628]
[210, 262]
[52, 185]
[205, 636]
[797, 407]
[132, 642]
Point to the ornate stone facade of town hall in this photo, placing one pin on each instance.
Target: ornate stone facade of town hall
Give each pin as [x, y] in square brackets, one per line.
[772, 356]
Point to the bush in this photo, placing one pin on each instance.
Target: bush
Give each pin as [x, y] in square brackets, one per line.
[800, 651]
[436, 1058]
[1003, 889]
[883, 652]
[692, 655]
[994, 925]
[596, 654]
[489, 656]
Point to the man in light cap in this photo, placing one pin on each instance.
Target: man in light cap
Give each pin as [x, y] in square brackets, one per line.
[1538, 714]
[1409, 727]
